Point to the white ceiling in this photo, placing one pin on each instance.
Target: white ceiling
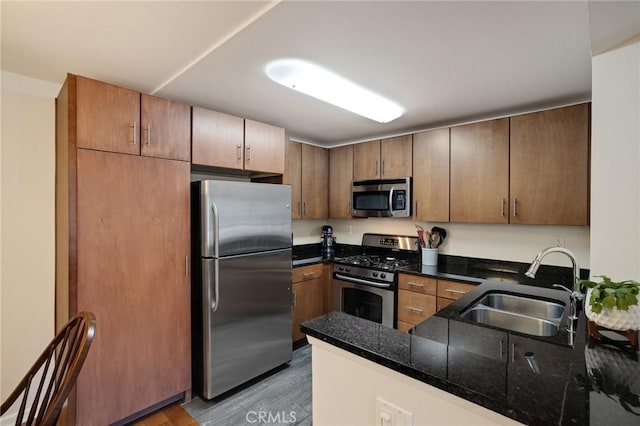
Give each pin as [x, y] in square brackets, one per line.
[444, 62]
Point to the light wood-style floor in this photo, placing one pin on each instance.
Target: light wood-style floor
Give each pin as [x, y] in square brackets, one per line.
[284, 395]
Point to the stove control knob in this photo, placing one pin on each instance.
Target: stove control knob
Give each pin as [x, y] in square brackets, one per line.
[348, 268]
[375, 274]
[383, 275]
[341, 268]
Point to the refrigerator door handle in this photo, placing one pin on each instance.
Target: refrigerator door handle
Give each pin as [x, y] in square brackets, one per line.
[210, 272]
[216, 228]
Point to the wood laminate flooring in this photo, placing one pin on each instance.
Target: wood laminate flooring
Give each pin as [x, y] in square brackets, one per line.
[280, 398]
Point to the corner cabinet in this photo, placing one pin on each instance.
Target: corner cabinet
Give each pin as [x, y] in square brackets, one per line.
[549, 159]
[222, 140]
[129, 122]
[308, 174]
[340, 178]
[122, 247]
[386, 158]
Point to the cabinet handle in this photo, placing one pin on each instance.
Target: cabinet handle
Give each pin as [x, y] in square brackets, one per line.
[293, 298]
[248, 153]
[309, 274]
[375, 168]
[412, 284]
[304, 208]
[450, 290]
[515, 206]
[239, 152]
[502, 207]
[186, 265]
[148, 130]
[382, 171]
[513, 353]
[415, 210]
[134, 128]
[501, 350]
[418, 310]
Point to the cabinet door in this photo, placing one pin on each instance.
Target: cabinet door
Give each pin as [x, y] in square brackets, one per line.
[264, 147]
[217, 139]
[166, 128]
[308, 302]
[431, 176]
[108, 117]
[293, 176]
[315, 182]
[366, 160]
[550, 167]
[477, 358]
[132, 240]
[480, 172]
[538, 371]
[396, 157]
[340, 178]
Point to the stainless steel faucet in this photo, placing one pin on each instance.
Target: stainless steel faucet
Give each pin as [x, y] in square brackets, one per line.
[574, 295]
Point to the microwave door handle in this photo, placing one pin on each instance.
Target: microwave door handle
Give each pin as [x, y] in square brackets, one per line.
[391, 201]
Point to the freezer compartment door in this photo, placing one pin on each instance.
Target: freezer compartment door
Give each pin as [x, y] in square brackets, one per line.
[249, 323]
[243, 217]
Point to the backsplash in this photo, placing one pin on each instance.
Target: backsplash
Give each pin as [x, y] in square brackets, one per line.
[517, 243]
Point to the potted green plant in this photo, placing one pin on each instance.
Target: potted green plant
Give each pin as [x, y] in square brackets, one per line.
[613, 304]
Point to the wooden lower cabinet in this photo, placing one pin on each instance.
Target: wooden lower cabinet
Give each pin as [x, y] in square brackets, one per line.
[416, 300]
[450, 291]
[309, 290]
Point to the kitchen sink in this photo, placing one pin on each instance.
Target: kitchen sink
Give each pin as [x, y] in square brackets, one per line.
[519, 313]
[523, 305]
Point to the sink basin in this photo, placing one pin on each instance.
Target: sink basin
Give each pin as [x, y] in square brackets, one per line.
[511, 321]
[523, 305]
[519, 313]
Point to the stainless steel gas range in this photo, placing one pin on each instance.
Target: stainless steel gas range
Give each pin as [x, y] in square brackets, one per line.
[364, 285]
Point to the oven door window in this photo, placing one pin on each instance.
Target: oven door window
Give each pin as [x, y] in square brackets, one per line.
[362, 303]
[371, 200]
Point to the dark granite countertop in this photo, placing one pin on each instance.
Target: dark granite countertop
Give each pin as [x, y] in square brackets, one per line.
[532, 380]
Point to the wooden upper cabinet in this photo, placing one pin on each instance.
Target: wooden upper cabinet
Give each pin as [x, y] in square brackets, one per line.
[480, 172]
[549, 167]
[315, 182]
[431, 176]
[383, 159]
[366, 160]
[108, 116]
[217, 139]
[293, 176]
[264, 147]
[166, 129]
[396, 157]
[340, 177]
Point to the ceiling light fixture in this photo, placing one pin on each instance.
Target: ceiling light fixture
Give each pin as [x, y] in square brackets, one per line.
[313, 80]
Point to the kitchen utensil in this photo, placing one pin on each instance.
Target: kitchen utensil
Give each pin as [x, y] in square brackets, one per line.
[442, 232]
[435, 239]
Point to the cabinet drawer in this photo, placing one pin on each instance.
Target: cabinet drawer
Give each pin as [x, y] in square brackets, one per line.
[305, 273]
[415, 307]
[443, 302]
[405, 326]
[453, 290]
[417, 284]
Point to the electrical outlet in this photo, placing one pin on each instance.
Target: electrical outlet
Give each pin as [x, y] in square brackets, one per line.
[348, 230]
[558, 241]
[388, 414]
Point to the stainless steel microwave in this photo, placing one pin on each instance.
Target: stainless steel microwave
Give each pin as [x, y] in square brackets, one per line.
[381, 198]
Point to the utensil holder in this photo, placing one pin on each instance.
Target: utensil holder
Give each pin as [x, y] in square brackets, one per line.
[430, 256]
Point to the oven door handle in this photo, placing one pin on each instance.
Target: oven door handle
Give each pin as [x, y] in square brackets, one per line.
[359, 281]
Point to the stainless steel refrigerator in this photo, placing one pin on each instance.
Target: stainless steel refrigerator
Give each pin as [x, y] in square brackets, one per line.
[241, 282]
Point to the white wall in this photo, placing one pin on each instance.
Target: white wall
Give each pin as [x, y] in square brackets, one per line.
[518, 243]
[615, 163]
[27, 231]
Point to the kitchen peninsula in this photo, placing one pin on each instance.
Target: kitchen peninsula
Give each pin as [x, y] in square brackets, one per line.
[450, 371]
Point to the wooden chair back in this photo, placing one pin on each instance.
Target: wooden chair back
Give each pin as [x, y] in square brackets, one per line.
[48, 383]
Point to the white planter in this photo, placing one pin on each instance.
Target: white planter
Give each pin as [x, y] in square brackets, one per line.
[614, 319]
